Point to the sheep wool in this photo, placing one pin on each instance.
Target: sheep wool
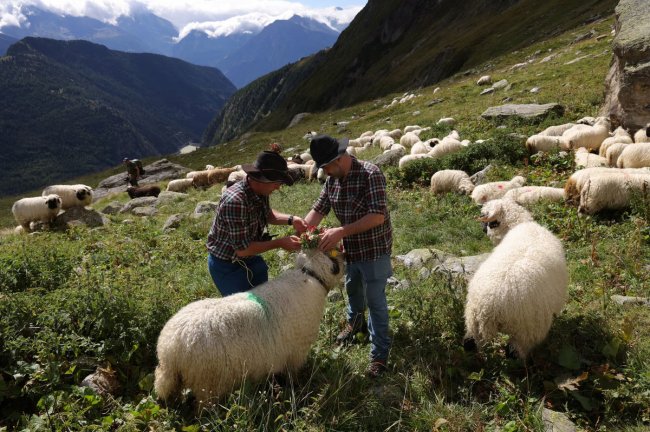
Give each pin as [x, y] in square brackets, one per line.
[179, 185]
[78, 195]
[612, 192]
[447, 146]
[36, 209]
[634, 156]
[407, 159]
[556, 130]
[451, 181]
[583, 158]
[620, 136]
[577, 180]
[529, 195]
[546, 143]
[521, 286]
[613, 152]
[587, 136]
[642, 135]
[408, 139]
[494, 190]
[211, 345]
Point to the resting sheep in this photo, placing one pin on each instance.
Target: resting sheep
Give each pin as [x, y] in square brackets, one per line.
[36, 209]
[582, 158]
[620, 136]
[634, 156]
[210, 345]
[78, 195]
[587, 136]
[556, 130]
[521, 286]
[528, 195]
[448, 145]
[642, 135]
[490, 191]
[546, 143]
[613, 152]
[142, 191]
[451, 181]
[577, 180]
[612, 192]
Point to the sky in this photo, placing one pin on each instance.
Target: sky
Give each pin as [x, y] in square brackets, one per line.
[215, 17]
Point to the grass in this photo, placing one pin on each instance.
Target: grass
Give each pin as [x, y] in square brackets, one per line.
[71, 301]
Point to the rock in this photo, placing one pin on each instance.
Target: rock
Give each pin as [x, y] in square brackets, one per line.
[465, 266]
[548, 58]
[112, 208]
[186, 150]
[298, 118]
[534, 90]
[583, 37]
[80, 216]
[166, 197]
[390, 158]
[435, 101]
[524, 111]
[205, 207]
[104, 381]
[416, 113]
[138, 202]
[479, 177]
[144, 211]
[500, 84]
[424, 273]
[155, 172]
[556, 422]
[577, 59]
[403, 285]
[634, 301]
[487, 91]
[419, 257]
[172, 222]
[628, 80]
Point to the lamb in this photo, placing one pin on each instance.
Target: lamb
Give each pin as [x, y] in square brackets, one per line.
[491, 191]
[583, 158]
[546, 143]
[556, 130]
[643, 134]
[210, 345]
[528, 195]
[521, 286]
[587, 136]
[611, 192]
[36, 209]
[620, 136]
[142, 191]
[635, 156]
[78, 195]
[179, 185]
[613, 152]
[451, 181]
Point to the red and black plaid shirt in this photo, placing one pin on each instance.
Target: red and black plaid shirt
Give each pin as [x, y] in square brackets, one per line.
[362, 191]
[241, 218]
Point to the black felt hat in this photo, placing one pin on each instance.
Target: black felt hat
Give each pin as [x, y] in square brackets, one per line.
[269, 167]
[325, 149]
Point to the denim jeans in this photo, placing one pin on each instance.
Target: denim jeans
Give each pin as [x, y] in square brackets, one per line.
[239, 276]
[365, 283]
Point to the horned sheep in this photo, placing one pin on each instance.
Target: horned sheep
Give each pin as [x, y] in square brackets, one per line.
[78, 195]
[210, 345]
[521, 286]
[36, 209]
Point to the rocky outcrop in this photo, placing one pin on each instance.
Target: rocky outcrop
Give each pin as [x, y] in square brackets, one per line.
[525, 111]
[628, 81]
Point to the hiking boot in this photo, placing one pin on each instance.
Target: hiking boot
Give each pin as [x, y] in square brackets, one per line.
[349, 333]
[376, 368]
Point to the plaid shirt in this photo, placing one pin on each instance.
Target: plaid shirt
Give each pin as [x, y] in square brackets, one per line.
[362, 191]
[241, 218]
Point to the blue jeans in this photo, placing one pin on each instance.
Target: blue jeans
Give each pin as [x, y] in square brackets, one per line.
[365, 283]
[239, 276]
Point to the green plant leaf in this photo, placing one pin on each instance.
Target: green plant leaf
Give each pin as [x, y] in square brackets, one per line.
[569, 357]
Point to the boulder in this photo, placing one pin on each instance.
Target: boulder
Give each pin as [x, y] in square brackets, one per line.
[80, 216]
[524, 111]
[139, 202]
[390, 158]
[628, 80]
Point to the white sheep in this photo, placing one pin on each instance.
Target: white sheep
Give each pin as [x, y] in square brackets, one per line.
[78, 195]
[587, 136]
[577, 180]
[635, 156]
[209, 167]
[613, 152]
[395, 134]
[642, 135]
[491, 191]
[556, 130]
[484, 80]
[407, 159]
[446, 146]
[408, 139]
[521, 286]
[447, 121]
[528, 195]
[411, 128]
[612, 192]
[546, 143]
[620, 136]
[367, 134]
[420, 148]
[36, 209]
[179, 185]
[451, 181]
[384, 142]
[211, 345]
[582, 158]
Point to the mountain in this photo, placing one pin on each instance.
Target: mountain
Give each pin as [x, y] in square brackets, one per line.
[157, 33]
[74, 107]
[5, 42]
[397, 45]
[198, 48]
[279, 43]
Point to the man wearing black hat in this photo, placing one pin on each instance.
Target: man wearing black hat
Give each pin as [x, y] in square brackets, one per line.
[356, 191]
[238, 233]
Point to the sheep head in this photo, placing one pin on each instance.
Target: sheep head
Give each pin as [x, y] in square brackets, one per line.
[328, 266]
[53, 201]
[500, 216]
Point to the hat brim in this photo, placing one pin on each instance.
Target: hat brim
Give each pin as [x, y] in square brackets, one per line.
[260, 175]
[343, 145]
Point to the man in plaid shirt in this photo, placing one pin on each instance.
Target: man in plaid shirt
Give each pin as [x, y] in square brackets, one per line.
[237, 235]
[356, 191]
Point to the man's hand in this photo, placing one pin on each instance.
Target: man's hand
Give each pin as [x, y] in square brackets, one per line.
[299, 224]
[290, 243]
[330, 239]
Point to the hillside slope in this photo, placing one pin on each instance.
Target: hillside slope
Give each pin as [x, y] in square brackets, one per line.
[395, 45]
[76, 107]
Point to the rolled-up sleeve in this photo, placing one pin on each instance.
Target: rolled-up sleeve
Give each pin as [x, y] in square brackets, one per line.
[376, 194]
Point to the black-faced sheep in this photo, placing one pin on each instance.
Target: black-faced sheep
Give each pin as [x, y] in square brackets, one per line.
[211, 345]
[78, 195]
[36, 209]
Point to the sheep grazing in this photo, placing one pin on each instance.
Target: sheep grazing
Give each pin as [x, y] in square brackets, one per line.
[451, 181]
[36, 209]
[583, 158]
[385, 142]
[521, 286]
[447, 121]
[484, 80]
[642, 135]
[78, 195]
[179, 185]
[490, 191]
[546, 143]
[634, 156]
[408, 139]
[620, 136]
[143, 191]
[612, 192]
[447, 146]
[587, 136]
[205, 179]
[407, 159]
[556, 130]
[210, 345]
[529, 195]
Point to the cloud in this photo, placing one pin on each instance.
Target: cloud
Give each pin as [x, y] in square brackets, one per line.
[215, 17]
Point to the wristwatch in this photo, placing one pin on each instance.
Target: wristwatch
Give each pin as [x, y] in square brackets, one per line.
[290, 220]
